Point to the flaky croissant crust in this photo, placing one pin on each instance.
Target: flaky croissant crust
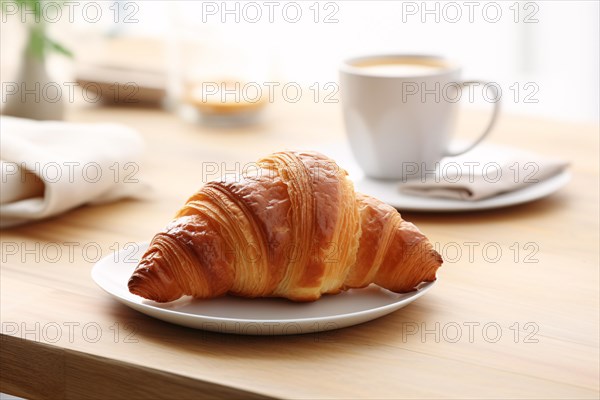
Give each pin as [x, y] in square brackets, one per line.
[294, 229]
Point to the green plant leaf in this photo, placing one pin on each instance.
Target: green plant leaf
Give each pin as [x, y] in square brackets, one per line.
[37, 42]
[59, 48]
[36, 6]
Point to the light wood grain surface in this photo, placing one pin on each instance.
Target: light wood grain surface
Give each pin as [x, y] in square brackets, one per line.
[515, 325]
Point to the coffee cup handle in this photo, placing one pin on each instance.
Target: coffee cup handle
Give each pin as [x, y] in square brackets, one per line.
[490, 124]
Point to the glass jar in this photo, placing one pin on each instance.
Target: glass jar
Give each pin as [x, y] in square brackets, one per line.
[218, 74]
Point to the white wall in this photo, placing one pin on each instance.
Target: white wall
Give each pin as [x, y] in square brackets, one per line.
[558, 55]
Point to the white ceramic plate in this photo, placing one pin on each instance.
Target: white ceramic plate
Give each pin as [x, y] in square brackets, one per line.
[389, 192]
[231, 314]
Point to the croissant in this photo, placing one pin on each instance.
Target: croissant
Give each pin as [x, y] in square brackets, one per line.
[295, 229]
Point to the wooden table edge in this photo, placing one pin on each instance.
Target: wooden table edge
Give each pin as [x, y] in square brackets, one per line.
[36, 370]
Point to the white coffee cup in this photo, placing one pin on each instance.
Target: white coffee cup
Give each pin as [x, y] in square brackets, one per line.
[400, 110]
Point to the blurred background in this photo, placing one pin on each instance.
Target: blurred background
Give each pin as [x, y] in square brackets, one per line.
[543, 54]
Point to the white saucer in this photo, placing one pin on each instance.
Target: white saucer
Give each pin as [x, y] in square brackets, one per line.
[388, 191]
[237, 315]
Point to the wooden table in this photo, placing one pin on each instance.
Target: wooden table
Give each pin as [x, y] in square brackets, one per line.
[523, 324]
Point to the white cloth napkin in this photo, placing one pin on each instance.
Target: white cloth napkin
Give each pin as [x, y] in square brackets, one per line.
[486, 171]
[76, 163]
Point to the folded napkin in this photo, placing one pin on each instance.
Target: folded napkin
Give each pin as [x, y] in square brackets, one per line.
[49, 167]
[486, 171]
